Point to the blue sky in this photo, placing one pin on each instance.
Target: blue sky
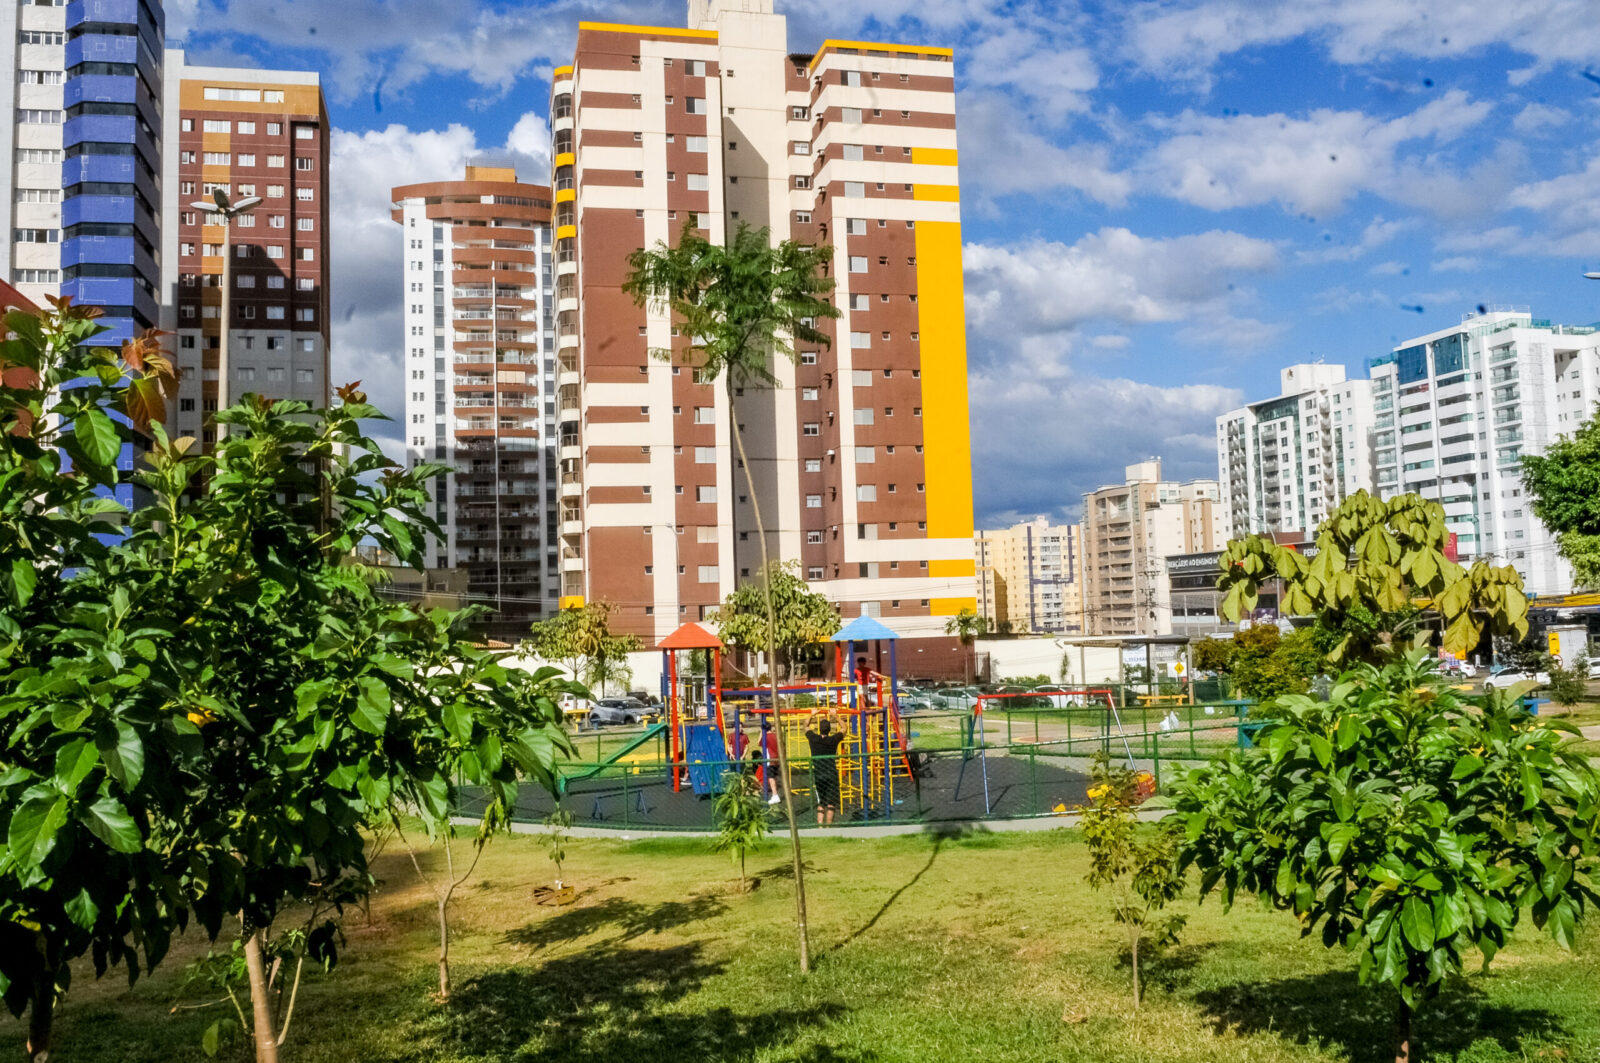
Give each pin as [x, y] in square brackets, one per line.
[1164, 201]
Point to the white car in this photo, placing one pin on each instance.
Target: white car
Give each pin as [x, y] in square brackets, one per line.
[1510, 678]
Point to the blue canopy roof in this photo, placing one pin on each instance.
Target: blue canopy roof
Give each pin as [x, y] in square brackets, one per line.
[864, 629]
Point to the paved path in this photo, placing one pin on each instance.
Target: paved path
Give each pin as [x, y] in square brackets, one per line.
[1592, 732]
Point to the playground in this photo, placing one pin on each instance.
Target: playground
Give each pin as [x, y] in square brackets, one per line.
[1009, 756]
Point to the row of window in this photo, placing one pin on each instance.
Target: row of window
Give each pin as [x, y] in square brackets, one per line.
[222, 125]
[248, 313]
[34, 116]
[276, 251]
[187, 188]
[243, 343]
[44, 155]
[243, 95]
[41, 37]
[36, 276]
[39, 77]
[248, 221]
[224, 158]
[244, 280]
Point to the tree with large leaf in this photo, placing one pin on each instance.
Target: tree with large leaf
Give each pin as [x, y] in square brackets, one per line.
[741, 305]
[95, 743]
[580, 637]
[1378, 559]
[345, 706]
[1563, 486]
[801, 618]
[1402, 821]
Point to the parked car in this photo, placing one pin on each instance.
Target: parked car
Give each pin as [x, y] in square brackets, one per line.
[1507, 677]
[955, 698]
[647, 699]
[1060, 697]
[912, 700]
[1464, 669]
[1594, 667]
[574, 707]
[617, 710]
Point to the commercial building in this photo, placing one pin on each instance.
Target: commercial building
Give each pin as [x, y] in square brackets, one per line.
[1129, 530]
[30, 137]
[1030, 578]
[247, 133]
[1284, 464]
[1457, 408]
[861, 451]
[480, 382]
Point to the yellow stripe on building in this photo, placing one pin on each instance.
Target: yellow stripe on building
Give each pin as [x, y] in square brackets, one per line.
[947, 432]
[571, 601]
[933, 156]
[937, 193]
[566, 195]
[566, 232]
[566, 158]
[653, 31]
[560, 72]
[909, 49]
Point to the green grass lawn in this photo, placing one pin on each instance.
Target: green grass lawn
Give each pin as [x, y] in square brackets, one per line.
[977, 947]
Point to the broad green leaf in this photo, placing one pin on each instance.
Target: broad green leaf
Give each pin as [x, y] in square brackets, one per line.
[24, 578]
[98, 437]
[110, 822]
[373, 705]
[1416, 920]
[122, 751]
[33, 829]
[1466, 764]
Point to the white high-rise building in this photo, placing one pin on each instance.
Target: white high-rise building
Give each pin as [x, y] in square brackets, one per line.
[30, 139]
[478, 280]
[1286, 462]
[1457, 409]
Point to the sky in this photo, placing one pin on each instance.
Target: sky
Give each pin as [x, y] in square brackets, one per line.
[1164, 201]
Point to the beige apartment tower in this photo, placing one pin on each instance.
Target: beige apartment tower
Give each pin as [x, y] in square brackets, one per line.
[1129, 530]
[1030, 578]
[862, 450]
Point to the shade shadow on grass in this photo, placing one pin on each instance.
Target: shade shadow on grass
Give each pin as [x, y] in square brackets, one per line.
[612, 1005]
[1335, 1009]
[627, 919]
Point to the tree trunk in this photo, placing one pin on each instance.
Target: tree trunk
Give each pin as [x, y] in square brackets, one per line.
[266, 1037]
[772, 674]
[1402, 1034]
[444, 924]
[1135, 972]
[41, 1017]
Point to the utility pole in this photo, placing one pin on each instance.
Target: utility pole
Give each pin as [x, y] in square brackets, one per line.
[223, 212]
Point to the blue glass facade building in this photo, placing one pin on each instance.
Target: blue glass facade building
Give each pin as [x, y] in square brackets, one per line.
[111, 168]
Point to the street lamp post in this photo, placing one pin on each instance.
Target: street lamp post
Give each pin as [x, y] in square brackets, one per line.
[224, 212]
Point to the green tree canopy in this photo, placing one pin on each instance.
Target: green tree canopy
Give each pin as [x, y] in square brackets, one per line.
[1563, 486]
[1402, 821]
[1267, 663]
[803, 617]
[1379, 557]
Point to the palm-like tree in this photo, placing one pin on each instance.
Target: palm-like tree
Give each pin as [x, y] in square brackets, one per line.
[967, 626]
[741, 305]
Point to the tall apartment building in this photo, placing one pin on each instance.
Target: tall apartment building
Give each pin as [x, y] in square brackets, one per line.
[35, 35]
[1457, 408]
[1287, 462]
[111, 171]
[248, 133]
[1129, 530]
[861, 452]
[1030, 577]
[480, 382]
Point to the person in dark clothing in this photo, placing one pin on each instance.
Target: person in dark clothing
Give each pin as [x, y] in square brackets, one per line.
[824, 738]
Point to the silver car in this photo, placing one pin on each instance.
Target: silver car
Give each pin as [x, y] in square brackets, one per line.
[617, 710]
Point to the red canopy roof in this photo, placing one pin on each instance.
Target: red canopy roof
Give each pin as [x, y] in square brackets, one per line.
[691, 636]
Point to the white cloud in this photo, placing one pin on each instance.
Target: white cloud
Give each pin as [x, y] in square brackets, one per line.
[1458, 263]
[1002, 153]
[1570, 207]
[1110, 275]
[1079, 433]
[1185, 38]
[367, 246]
[1311, 165]
[1538, 117]
[1390, 268]
[1378, 232]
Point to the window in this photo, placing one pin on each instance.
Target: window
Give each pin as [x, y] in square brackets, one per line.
[699, 182]
[858, 263]
[814, 502]
[814, 572]
[863, 416]
[867, 493]
[274, 282]
[695, 68]
[272, 96]
[811, 428]
[274, 313]
[698, 145]
[275, 160]
[39, 77]
[305, 132]
[865, 456]
[705, 493]
[34, 116]
[693, 104]
[709, 574]
[813, 537]
[247, 160]
[304, 164]
[44, 155]
[38, 195]
[705, 415]
[307, 254]
[305, 225]
[247, 128]
[39, 37]
[801, 113]
[800, 147]
[301, 376]
[808, 357]
[705, 455]
[244, 281]
[274, 129]
[233, 95]
[305, 313]
[851, 152]
[276, 376]
[305, 284]
[859, 340]
[305, 195]
[274, 191]
[813, 465]
[213, 125]
[273, 250]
